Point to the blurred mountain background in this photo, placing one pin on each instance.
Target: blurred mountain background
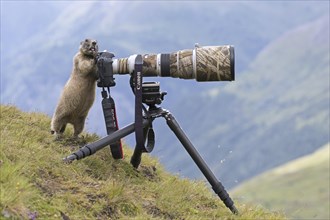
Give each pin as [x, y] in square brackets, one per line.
[276, 110]
[291, 187]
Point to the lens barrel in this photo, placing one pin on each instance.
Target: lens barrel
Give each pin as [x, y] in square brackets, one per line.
[209, 63]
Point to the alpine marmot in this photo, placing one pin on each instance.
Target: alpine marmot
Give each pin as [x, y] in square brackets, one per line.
[79, 92]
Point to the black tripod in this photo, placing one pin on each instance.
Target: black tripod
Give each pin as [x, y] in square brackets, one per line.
[152, 113]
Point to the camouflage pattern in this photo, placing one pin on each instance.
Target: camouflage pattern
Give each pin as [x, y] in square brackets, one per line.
[181, 64]
[149, 67]
[213, 63]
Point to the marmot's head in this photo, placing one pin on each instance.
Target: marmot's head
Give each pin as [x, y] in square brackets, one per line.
[89, 47]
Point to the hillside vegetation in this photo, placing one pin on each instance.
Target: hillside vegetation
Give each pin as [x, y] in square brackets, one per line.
[36, 184]
[300, 188]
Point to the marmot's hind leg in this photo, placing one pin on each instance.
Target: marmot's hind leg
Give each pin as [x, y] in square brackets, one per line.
[58, 127]
[78, 126]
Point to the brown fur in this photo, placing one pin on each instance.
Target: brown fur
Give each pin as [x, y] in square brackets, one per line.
[79, 92]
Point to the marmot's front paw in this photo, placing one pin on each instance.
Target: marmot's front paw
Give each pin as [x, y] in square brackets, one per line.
[93, 62]
[58, 136]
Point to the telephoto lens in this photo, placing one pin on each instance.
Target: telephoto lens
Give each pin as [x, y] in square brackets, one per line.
[208, 63]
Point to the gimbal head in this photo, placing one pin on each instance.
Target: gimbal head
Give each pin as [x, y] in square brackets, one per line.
[151, 94]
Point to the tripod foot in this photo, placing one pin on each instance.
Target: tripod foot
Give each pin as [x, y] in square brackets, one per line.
[136, 158]
[234, 210]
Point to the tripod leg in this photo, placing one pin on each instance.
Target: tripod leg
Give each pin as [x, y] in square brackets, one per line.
[216, 185]
[136, 157]
[91, 148]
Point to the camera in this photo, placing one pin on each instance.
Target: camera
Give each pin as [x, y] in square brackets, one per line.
[213, 63]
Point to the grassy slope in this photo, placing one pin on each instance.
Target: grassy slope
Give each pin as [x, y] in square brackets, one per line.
[35, 181]
[300, 187]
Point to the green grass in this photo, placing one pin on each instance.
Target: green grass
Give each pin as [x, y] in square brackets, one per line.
[36, 184]
[300, 188]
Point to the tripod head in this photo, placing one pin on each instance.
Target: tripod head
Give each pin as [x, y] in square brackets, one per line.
[151, 94]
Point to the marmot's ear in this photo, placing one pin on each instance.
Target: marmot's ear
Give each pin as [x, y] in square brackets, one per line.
[86, 40]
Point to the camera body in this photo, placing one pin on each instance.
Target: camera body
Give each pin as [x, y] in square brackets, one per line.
[105, 80]
[104, 69]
